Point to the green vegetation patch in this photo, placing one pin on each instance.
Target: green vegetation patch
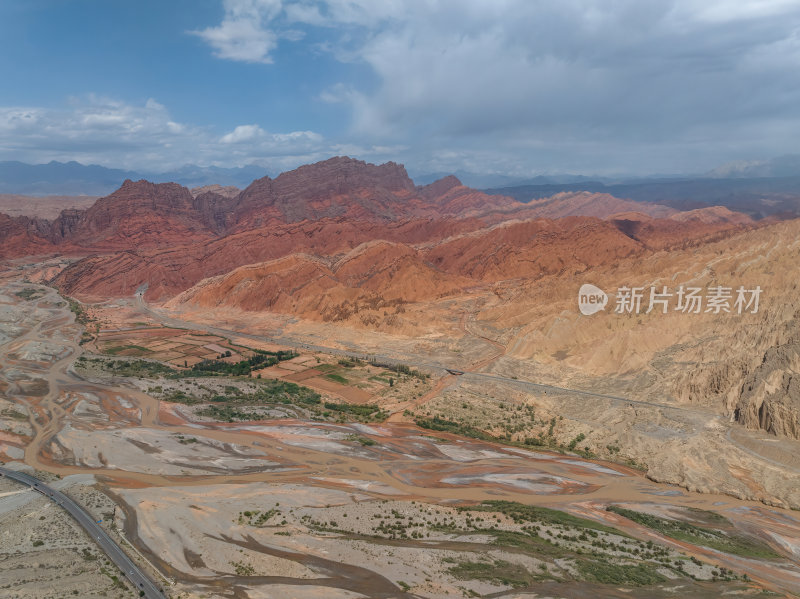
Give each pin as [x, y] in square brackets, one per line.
[365, 441]
[402, 369]
[29, 293]
[257, 517]
[627, 574]
[133, 368]
[529, 542]
[350, 362]
[261, 359]
[270, 392]
[363, 411]
[521, 513]
[81, 315]
[732, 543]
[121, 348]
[235, 404]
[497, 571]
[12, 413]
[437, 423]
[228, 414]
[243, 569]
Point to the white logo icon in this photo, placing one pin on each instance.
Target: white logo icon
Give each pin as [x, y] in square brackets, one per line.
[591, 299]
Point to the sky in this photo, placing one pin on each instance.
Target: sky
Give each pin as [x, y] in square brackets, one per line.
[516, 87]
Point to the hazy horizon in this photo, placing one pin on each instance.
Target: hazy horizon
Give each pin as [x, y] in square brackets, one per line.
[515, 88]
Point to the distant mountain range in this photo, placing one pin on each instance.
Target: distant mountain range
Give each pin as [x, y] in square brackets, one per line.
[758, 188]
[757, 196]
[73, 178]
[484, 181]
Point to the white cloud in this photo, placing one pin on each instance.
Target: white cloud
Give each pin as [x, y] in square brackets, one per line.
[242, 133]
[242, 35]
[96, 130]
[251, 29]
[255, 136]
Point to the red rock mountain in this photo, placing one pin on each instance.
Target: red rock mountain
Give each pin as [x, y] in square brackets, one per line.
[23, 236]
[356, 230]
[137, 215]
[337, 187]
[375, 274]
[143, 215]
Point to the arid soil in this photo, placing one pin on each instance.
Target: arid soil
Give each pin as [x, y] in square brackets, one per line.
[336, 383]
[288, 507]
[674, 379]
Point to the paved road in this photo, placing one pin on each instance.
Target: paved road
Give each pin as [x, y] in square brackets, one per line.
[139, 579]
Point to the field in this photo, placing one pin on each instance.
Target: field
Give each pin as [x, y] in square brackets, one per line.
[316, 387]
[351, 381]
[172, 346]
[119, 331]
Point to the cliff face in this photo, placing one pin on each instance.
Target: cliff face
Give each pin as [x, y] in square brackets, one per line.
[759, 387]
[333, 188]
[214, 210]
[769, 398]
[749, 364]
[22, 236]
[139, 214]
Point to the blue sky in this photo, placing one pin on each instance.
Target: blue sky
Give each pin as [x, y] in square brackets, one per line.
[519, 87]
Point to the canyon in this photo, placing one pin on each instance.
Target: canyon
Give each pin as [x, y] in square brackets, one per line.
[434, 314]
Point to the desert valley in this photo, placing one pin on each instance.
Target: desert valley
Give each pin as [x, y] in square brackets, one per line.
[338, 383]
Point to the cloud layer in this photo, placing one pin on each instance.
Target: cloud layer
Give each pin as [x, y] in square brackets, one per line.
[95, 130]
[510, 86]
[659, 82]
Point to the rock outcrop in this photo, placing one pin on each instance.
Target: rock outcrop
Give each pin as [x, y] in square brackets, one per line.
[375, 275]
[333, 188]
[601, 205]
[23, 236]
[770, 395]
[139, 214]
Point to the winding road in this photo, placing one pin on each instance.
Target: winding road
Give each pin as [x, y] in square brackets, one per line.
[139, 579]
